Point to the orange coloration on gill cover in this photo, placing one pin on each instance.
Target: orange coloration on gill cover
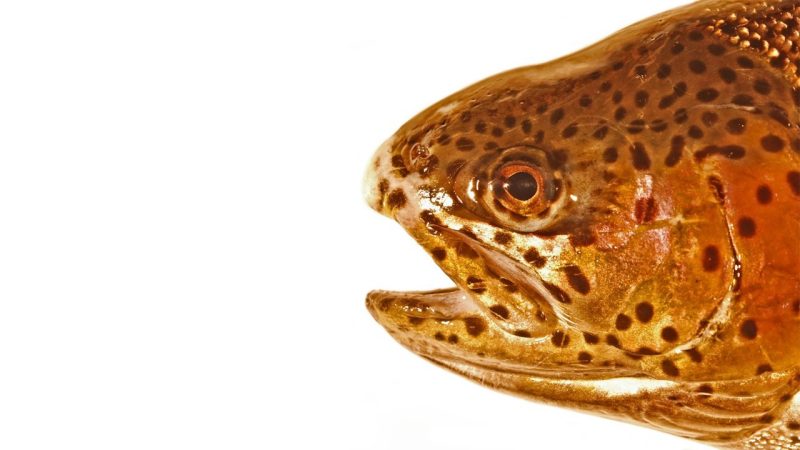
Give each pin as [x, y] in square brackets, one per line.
[628, 215]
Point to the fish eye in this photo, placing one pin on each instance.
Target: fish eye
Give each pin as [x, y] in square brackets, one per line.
[521, 182]
[515, 188]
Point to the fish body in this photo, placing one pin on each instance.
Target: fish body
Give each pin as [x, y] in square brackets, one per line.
[622, 226]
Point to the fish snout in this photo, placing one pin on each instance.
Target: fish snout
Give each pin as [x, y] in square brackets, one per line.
[375, 184]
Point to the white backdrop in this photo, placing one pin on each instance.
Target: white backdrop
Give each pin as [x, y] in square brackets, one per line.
[184, 251]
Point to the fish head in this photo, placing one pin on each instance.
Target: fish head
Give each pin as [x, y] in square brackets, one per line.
[603, 219]
[571, 258]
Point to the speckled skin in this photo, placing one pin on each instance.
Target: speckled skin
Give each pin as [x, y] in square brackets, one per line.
[654, 276]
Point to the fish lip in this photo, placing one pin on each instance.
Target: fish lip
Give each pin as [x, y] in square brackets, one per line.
[438, 304]
[507, 267]
[481, 371]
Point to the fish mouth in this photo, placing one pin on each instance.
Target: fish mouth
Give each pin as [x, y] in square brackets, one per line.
[411, 318]
[454, 327]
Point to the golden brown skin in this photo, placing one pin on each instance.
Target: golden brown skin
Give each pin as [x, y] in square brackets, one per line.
[622, 226]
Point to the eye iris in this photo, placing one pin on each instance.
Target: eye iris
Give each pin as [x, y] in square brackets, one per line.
[521, 186]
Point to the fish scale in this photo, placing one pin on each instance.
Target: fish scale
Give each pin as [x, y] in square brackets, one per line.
[654, 240]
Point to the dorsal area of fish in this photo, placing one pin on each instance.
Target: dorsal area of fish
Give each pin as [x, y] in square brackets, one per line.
[671, 250]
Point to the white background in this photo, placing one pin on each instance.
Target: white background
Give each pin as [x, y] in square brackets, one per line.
[184, 251]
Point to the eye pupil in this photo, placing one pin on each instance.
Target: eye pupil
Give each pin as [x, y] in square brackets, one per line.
[521, 186]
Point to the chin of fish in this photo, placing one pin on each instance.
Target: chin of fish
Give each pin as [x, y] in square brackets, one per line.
[622, 226]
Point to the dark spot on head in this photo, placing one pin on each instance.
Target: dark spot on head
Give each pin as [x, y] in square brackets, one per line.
[600, 133]
[605, 87]
[793, 425]
[584, 357]
[522, 333]
[533, 257]
[465, 144]
[707, 95]
[666, 101]
[585, 101]
[695, 132]
[620, 113]
[645, 210]
[677, 47]
[675, 152]
[453, 339]
[438, 336]
[480, 127]
[697, 66]
[762, 86]
[559, 339]
[793, 178]
[591, 338]
[711, 258]
[556, 116]
[641, 161]
[475, 325]
[705, 389]
[728, 151]
[526, 126]
[439, 253]
[767, 418]
[745, 62]
[577, 279]
[764, 194]
[680, 89]
[610, 155]
[747, 227]
[616, 97]
[680, 116]
[497, 131]
[558, 293]
[763, 368]
[415, 320]
[772, 143]
[542, 108]
[742, 100]
[658, 125]
[736, 126]
[716, 188]
[709, 118]
[569, 131]
[509, 121]
[670, 368]
[663, 71]
[695, 355]
[644, 312]
[612, 340]
[502, 238]
[466, 116]
[727, 74]
[695, 35]
[669, 334]
[396, 199]
[623, 322]
[748, 329]
[500, 311]
[641, 98]
[383, 186]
